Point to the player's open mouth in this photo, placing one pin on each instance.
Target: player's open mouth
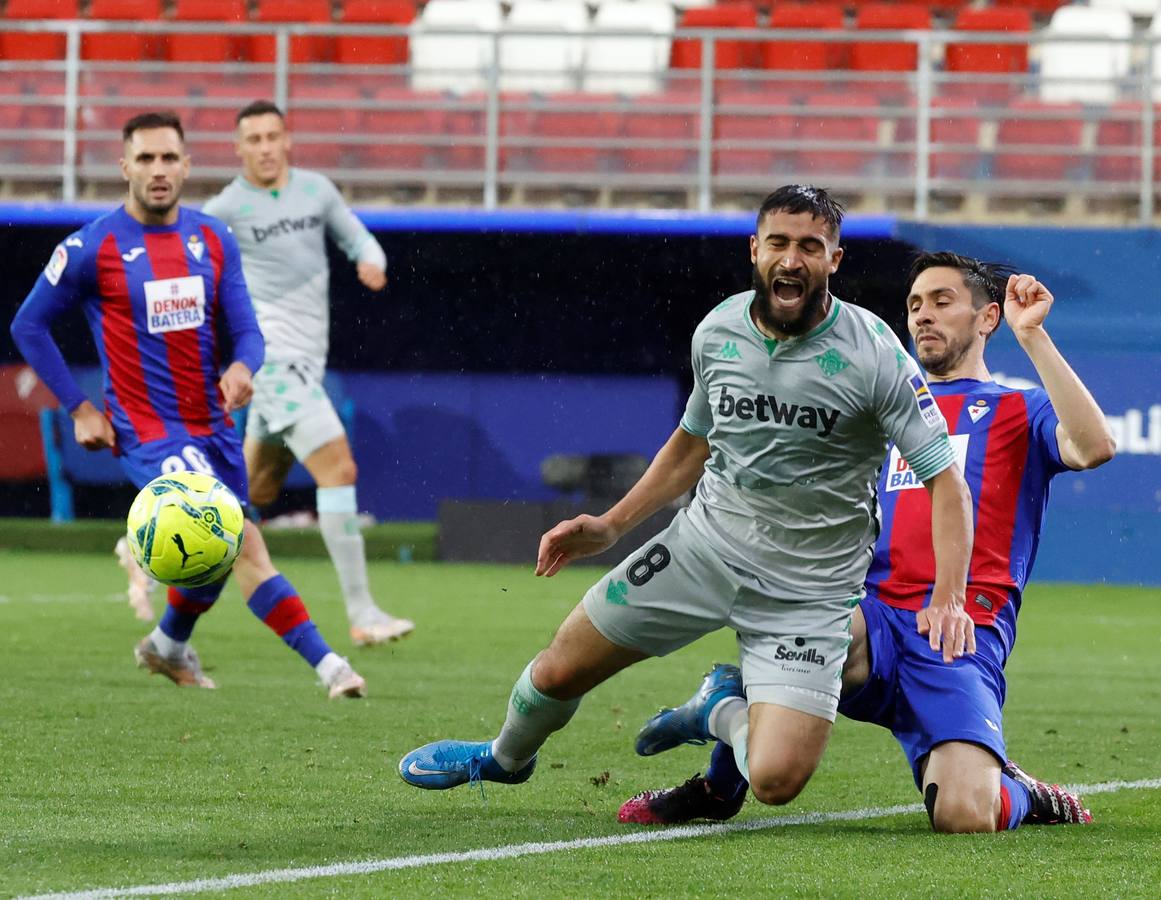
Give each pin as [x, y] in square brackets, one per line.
[788, 291]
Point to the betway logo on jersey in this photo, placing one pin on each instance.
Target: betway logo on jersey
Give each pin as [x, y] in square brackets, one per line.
[767, 408]
[285, 226]
[175, 304]
[900, 476]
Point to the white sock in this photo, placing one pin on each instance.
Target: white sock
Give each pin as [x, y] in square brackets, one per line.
[532, 717]
[729, 722]
[329, 668]
[167, 646]
[338, 519]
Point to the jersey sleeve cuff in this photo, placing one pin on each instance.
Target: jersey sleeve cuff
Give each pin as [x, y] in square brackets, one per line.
[932, 458]
[693, 428]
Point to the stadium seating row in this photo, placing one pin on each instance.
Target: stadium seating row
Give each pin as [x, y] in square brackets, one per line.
[122, 46]
[845, 134]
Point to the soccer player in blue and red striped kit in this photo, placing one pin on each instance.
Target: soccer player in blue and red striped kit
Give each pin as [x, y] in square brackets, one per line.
[163, 292]
[1010, 444]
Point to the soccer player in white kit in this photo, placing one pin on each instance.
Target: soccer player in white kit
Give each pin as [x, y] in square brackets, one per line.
[281, 216]
[795, 397]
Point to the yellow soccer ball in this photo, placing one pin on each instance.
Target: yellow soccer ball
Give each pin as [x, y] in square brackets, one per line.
[185, 529]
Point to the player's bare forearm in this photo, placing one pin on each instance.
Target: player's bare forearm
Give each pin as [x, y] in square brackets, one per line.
[674, 471]
[1084, 436]
[1085, 439]
[945, 621]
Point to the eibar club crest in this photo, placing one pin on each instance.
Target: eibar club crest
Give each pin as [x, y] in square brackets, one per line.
[196, 247]
[978, 409]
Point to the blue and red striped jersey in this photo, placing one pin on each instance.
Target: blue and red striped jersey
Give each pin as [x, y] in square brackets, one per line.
[159, 300]
[1005, 444]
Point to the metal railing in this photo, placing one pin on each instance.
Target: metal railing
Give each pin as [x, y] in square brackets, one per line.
[912, 138]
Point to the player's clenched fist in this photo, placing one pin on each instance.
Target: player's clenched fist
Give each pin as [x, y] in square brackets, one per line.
[237, 386]
[1026, 302]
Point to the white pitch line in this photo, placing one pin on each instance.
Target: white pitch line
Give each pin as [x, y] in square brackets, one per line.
[512, 851]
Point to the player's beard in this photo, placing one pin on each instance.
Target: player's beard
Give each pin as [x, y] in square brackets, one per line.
[155, 208]
[769, 317]
[944, 360]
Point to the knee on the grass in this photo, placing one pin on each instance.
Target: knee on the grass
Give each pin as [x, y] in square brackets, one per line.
[959, 811]
[777, 787]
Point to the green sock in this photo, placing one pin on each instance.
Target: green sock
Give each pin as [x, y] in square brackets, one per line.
[532, 717]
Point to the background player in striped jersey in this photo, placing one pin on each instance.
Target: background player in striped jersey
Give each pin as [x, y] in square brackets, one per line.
[1011, 443]
[161, 287]
[280, 216]
[795, 395]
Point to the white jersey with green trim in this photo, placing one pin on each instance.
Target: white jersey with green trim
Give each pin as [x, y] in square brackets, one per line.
[284, 258]
[797, 431]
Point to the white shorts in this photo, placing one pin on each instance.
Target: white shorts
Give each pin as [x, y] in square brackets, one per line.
[675, 589]
[291, 408]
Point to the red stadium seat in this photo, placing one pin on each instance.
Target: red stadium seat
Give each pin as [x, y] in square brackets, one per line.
[1119, 145]
[744, 117]
[953, 122]
[669, 120]
[406, 122]
[362, 50]
[222, 47]
[805, 55]
[686, 52]
[893, 56]
[122, 46]
[1041, 8]
[25, 45]
[306, 49]
[1029, 125]
[572, 121]
[842, 122]
[316, 115]
[990, 57]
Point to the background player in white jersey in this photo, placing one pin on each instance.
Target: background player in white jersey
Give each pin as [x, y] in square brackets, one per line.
[795, 397]
[281, 216]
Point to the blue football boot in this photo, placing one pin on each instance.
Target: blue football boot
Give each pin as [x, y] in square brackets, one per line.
[689, 723]
[446, 764]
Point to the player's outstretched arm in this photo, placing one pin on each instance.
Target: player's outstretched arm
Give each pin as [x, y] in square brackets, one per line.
[674, 471]
[1083, 433]
[944, 620]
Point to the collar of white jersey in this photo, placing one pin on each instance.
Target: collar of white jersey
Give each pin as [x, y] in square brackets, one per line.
[822, 327]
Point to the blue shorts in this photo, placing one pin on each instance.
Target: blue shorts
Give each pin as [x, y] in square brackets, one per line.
[218, 454]
[920, 698]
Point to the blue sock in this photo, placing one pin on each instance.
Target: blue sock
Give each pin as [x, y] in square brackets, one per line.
[723, 775]
[276, 603]
[186, 606]
[1015, 801]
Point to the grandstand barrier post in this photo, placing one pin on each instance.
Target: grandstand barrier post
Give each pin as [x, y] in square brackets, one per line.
[492, 128]
[72, 91]
[923, 127]
[281, 67]
[1147, 148]
[60, 491]
[706, 130]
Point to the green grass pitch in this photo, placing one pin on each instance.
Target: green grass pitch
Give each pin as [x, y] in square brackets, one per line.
[110, 778]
